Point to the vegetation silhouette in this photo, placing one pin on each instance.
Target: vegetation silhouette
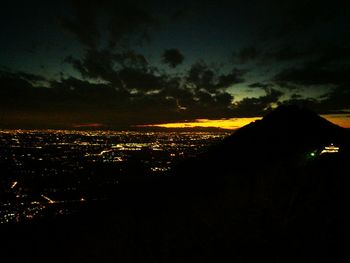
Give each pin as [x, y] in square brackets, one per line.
[264, 193]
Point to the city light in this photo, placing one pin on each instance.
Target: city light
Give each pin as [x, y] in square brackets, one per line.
[62, 163]
[330, 149]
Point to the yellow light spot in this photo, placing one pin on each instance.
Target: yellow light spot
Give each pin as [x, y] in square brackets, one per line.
[48, 199]
[14, 184]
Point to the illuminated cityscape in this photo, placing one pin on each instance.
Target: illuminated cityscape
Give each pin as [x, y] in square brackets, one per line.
[174, 131]
[50, 172]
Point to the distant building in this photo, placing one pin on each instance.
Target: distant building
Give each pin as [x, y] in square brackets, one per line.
[330, 149]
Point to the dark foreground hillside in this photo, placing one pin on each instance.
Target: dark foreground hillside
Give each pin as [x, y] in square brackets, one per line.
[266, 193]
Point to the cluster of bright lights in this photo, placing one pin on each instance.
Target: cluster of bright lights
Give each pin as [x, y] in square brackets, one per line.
[53, 153]
[326, 150]
[330, 149]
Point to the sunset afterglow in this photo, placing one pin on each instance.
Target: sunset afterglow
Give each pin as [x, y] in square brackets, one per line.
[340, 119]
[236, 123]
[228, 124]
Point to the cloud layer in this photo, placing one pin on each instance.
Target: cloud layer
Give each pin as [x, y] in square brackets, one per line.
[136, 62]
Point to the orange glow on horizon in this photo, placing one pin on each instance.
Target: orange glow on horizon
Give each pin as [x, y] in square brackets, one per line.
[87, 125]
[343, 120]
[228, 124]
[236, 123]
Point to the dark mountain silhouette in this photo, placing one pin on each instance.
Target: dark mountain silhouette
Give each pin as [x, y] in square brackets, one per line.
[264, 193]
[286, 135]
[274, 181]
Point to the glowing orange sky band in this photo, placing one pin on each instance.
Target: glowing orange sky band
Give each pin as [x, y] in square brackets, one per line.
[235, 123]
[229, 124]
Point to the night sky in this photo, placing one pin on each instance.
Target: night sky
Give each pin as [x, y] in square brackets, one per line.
[74, 63]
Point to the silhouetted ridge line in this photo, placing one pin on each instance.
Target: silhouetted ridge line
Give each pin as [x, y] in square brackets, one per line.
[292, 119]
[272, 174]
[285, 136]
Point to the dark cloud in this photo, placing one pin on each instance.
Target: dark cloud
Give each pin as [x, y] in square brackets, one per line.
[298, 31]
[131, 59]
[325, 53]
[145, 98]
[294, 17]
[318, 51]
[121, 88]
[124, 21]
[322, 64]
[127, 70]
[309, 75]
[82, 101]
[172, 57]
[95, 64]
[327, 73]
[305, 42]
[20, 75]
[290, 52]
[337, 100]
[130, 19]
[309, 103]
[258, 106]
[202, 76]
[260, 85]
[67, 94]
[140, 80]
[295, 96]
[83, 22]
[246, 54]
[232, 78]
